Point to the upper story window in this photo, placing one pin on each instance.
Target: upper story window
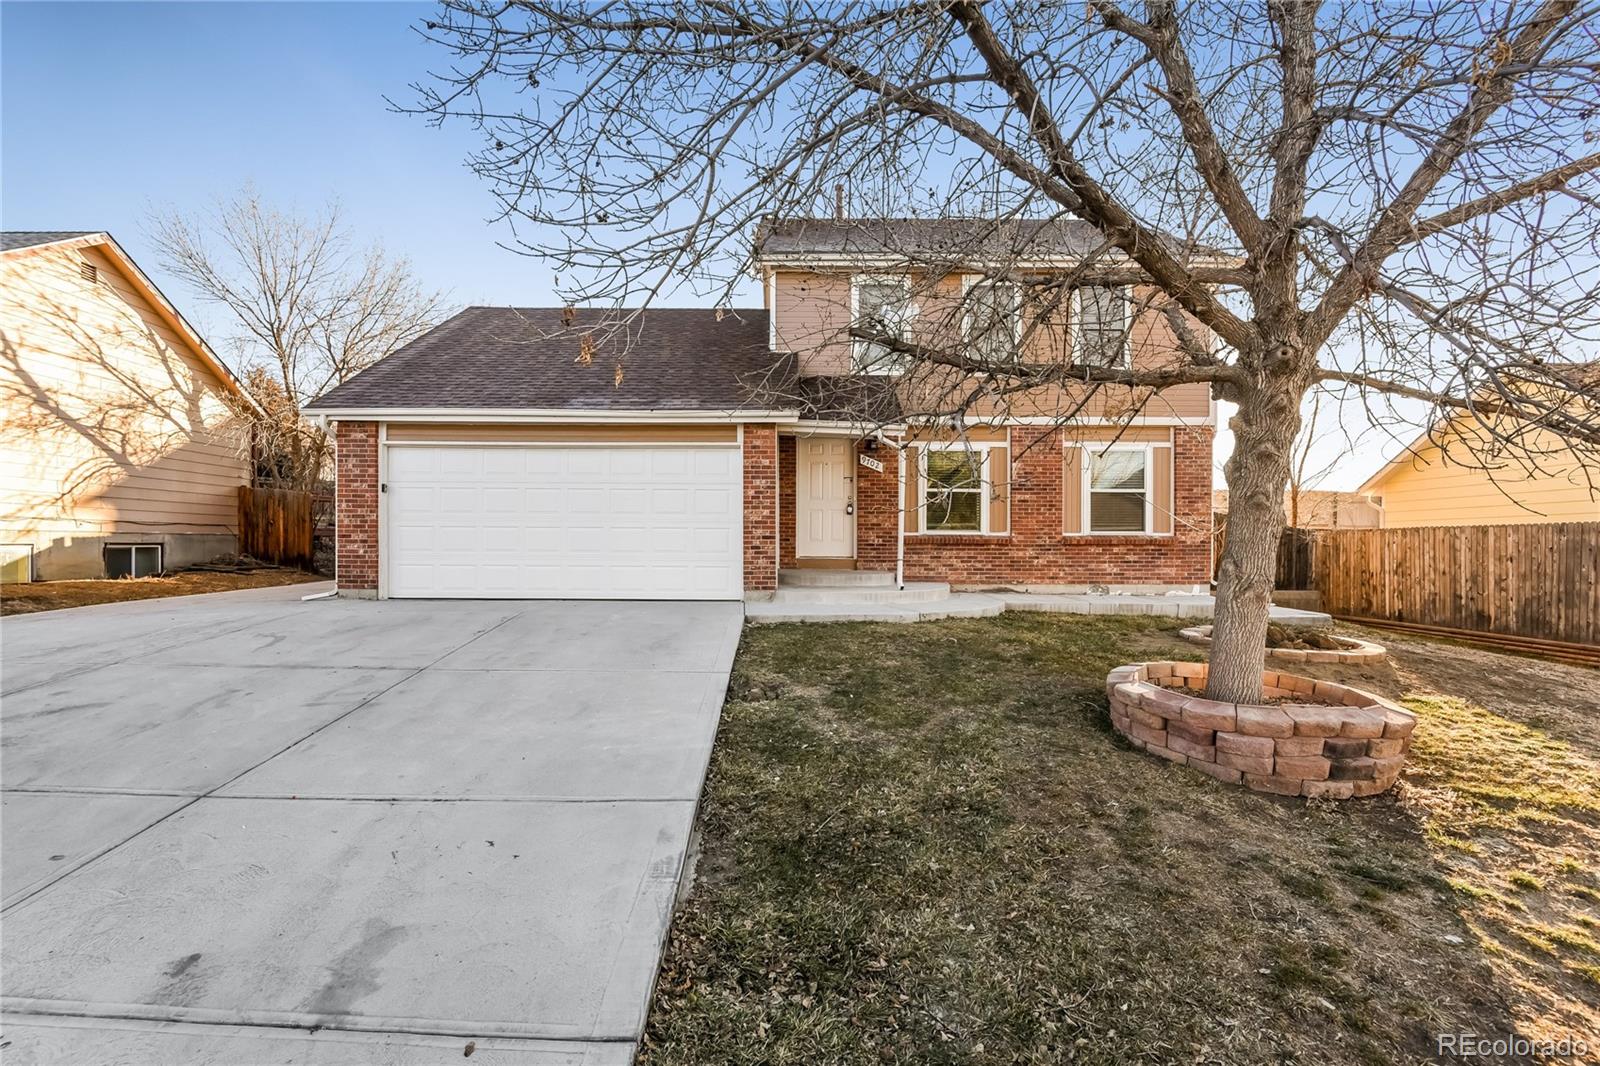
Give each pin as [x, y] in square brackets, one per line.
[1100, 325]
[882, 305]
[994, 320]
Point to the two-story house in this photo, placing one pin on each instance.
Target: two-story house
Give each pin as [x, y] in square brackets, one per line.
[122, 446]
[891, 408]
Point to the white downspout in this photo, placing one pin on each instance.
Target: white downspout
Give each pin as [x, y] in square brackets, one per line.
[900, 517]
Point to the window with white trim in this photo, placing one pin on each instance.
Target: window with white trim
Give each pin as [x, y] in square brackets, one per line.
[953, 496]
[1118, 488]
[994, 320]
[1100, 325]
[881, 305]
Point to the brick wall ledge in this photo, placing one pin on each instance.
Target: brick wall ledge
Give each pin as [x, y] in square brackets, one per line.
[1348, 744]
[957, 538]
[1111, 540]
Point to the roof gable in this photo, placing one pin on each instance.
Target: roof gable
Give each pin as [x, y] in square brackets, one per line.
[20, 244]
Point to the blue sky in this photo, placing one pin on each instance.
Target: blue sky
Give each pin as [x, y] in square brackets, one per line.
[112, 109]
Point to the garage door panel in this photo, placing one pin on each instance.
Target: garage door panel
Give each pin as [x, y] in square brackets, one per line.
[580, 522]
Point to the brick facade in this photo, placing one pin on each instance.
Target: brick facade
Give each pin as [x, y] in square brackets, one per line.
[877, 509]
[787, 451]
[356, 506]
[1034, 552]
[761, 508]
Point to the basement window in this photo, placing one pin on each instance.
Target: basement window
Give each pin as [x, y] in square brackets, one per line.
[133, 560]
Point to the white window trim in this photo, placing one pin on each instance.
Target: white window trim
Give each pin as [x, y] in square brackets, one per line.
[1086, 490]
[1075, 318]
[856, 281]
[975, 281]
[984, 450]
[772, 310]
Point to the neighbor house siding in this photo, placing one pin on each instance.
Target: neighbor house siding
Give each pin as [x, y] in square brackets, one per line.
[113, 426]
[1427, 490]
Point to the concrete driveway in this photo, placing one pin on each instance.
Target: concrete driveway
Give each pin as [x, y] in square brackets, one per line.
[243, 828]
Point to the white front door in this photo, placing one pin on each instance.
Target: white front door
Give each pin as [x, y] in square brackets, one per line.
[586, 522]
[824, 492]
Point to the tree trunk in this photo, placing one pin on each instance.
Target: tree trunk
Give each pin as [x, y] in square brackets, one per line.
[1264, 431]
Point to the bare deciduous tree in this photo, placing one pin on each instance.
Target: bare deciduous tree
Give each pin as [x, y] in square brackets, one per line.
[1393, 199]
[310, 311]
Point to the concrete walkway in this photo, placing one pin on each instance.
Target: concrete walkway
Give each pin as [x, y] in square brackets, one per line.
[989, 604]
[244, 828]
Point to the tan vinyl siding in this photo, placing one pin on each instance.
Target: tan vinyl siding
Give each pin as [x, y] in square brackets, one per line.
[1119, 434]
[1000, 490]
[1429, 490]
[912, 457]
[974, 434]
[1071, 490]
[112, 422]
[554, 433]
[811, 317]
[1161, 489]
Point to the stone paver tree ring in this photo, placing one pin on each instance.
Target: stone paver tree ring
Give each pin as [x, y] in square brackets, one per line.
[1336, 743]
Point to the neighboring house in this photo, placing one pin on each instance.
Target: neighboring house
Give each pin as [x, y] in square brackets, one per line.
[1430, 485]
[1317, 509]
[695, 453]
[121, 452]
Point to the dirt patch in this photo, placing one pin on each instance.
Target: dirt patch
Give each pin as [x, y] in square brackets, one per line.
[35, 596]
[931, 847]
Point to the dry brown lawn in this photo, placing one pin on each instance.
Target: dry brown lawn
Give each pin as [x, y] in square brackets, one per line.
[924, 844]
[31, 597]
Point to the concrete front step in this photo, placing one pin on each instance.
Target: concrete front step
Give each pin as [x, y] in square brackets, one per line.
[914, 592]
[957, 605]
[834, 579]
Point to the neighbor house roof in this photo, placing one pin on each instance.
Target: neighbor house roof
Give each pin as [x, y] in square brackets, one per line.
[1320, 508]
[23, 243]
[12, 240]
[936, 240]
[1584, 377]
[660, 359]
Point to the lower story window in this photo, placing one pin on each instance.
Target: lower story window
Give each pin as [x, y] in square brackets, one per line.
[952, 490]
[133, 560]
[1119, 481]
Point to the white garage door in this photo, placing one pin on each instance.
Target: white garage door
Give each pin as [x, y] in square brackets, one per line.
[588, 522]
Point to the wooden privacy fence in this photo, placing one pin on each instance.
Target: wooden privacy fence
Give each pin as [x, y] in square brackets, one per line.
[1540, 581]
[275, 525]
[1296, 554]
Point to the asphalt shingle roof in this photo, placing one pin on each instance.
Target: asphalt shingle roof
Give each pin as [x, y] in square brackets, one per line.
[13, 239]
[501, 357]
